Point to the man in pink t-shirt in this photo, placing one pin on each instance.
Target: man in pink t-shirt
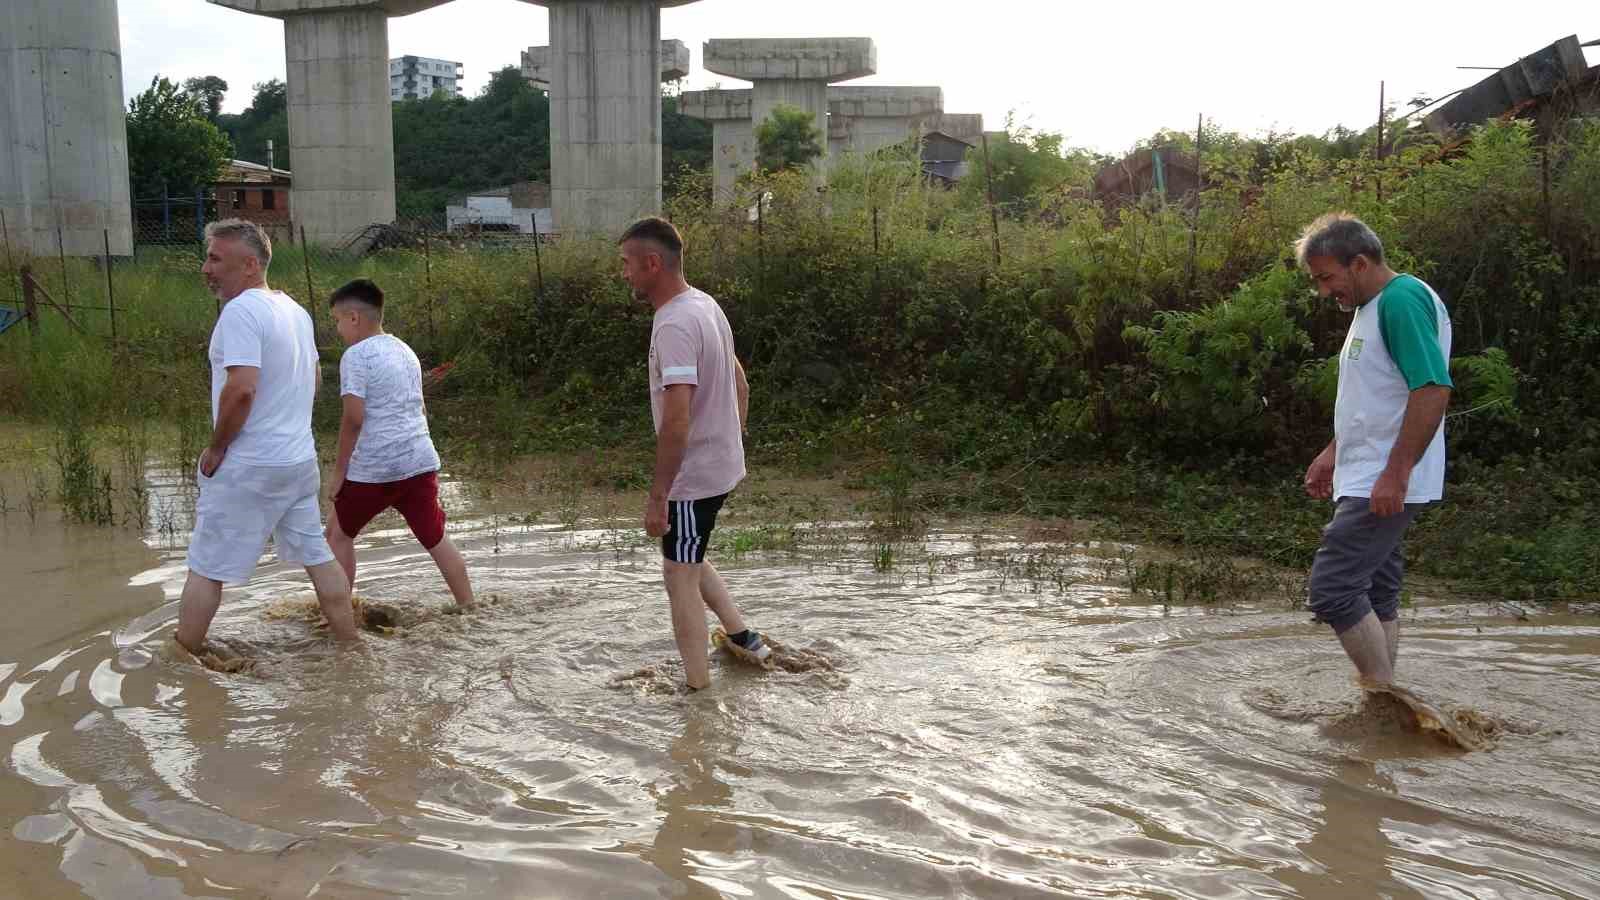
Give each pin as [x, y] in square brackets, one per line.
[699, 399]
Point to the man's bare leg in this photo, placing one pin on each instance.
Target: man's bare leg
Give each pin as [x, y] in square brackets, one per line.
[344, 548]
[717, 598]
[1391, 632]
[333, 594]
[688, 620]
[196, 609]
[453, 566]
[1368, 647]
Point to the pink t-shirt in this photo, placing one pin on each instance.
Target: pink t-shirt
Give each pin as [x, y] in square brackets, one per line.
[691, 343]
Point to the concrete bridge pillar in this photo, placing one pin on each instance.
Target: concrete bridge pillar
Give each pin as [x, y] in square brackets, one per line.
[733, 141]
[341, 127]
[605, 68]
[536, 63]
[63, 133]
[791, 71]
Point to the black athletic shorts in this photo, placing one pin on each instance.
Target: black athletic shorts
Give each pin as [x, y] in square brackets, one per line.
[689, 524]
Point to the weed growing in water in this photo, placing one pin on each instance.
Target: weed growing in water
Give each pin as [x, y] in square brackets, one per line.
[86, 492]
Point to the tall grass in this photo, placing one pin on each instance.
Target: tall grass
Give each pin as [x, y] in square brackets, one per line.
[878, 327]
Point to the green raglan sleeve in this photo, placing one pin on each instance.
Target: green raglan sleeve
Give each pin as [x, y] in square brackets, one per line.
[1410, 329]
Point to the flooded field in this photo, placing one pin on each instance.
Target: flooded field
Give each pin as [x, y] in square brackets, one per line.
[978, 713]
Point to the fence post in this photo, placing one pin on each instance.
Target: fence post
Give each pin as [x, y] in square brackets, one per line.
[166, 214]
[538, 260]
[1377, 153]
[111, 292]
[1544, 192]
[1199, 188]
[61, 251]
[427, 282]
[11, 265]
[30, 305]
[994, 215]
[311, 291]
[875, 258]
[761, 241]
[199, 216]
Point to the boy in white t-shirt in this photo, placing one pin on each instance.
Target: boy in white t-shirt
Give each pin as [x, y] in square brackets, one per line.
[386, 456]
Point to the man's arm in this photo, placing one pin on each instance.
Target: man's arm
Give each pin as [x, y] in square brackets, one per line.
[354, 416]
[233, 409]
[1319, 475]
[742, 387]
[671, 441]
[1425, 409]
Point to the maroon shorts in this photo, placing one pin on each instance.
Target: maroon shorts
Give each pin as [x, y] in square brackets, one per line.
[416, 498]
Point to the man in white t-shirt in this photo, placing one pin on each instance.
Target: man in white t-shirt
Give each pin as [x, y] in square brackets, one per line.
[1386, 461]
[258, 476]
[386, 457]
[699, 399]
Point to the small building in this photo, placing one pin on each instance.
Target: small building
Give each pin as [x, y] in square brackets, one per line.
[258, 193]
[521, 208]
[420, 77]
[1162, 171]
[944, 157]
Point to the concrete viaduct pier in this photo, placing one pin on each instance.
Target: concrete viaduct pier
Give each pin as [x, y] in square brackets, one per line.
[63, 135]
[674, 62]
[341, 127]
[860, 119]
[791, 71]
[605, 112]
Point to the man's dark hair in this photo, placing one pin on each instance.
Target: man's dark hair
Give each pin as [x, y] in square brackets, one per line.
[660, 232]
[360, 290]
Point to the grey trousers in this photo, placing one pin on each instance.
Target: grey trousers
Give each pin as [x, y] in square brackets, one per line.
[1358, 568]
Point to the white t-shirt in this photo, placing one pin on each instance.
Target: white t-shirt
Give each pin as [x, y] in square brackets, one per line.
[691, 343]
[268, 330]
[394, 443]
[1371, 404]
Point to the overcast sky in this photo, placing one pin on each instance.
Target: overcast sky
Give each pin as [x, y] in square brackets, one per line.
[1103, 73]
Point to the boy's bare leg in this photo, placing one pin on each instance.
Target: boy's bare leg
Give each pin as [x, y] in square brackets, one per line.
[453, 566]
[333, 594]
[688, 620]
[196, 609]
[343, 546]
[715, 593]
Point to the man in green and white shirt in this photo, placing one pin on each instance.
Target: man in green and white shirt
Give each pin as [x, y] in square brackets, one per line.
[1386, 460]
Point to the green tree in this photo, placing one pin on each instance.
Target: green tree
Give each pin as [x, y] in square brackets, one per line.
[171, 144]
[788, 139]
[1028, 167]
[210, 89]
[267, 118]
[446, 146]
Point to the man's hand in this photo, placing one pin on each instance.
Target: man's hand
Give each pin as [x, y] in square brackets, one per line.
[1389, 494]
[655, 515]
[211, 460]
[335, 486]
[1319, 476]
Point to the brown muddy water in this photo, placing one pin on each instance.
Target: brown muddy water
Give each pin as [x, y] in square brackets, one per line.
[952, 725]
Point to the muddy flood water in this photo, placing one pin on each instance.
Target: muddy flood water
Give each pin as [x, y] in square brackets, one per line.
[954, 724]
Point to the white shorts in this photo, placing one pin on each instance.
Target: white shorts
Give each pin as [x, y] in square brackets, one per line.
[241, 505]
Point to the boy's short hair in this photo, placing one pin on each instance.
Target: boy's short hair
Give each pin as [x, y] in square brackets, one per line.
[660, 232]
[362, 291]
